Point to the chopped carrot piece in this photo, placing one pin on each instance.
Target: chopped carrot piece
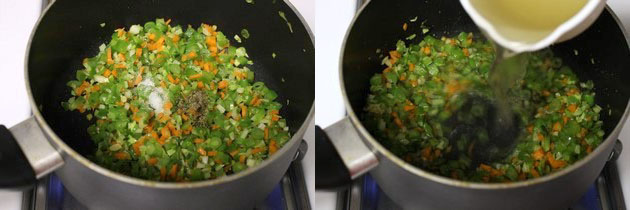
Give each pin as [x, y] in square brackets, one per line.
[168, 21]
[453, 87]
[241, 159]
[199, 141]
[200, 85]
[168, 105]
[170, 78]
[233, 153]
[151, 36]
[534, 173]
[175, 39]
[212, 153]
[253, 101]
[158, 45]
[195, 76]
[211, 41]
[152, 161]
[572, 108]
[538, 154]
[223, 84]
[96, 88]
[107, 73]
[165, 133]
[555, 163]
[565, 119]
[495, 173]
[485, 167]
[272, 147]
[258, 102]
[82, 88]
[540, 137]
[583, 132]
[257, 150]
[121, 155]
[530, 128]
[405, 27]
[81, 108]
[109, 56]
[557, 127]
[138, 52]
[192, 54]
[466, 52]
[243, 110]
[411, 66]
[266, 133]
[121, 32]
[427, 50]
[394, 56]
[115, 73]
[136, 146]
[397, 120]
[162, 173]
[202, 151]
[426, 152]
[409, 107]
[546, 93]
[173, 172]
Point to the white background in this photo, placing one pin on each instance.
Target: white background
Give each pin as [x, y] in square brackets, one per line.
[17, 18]
[333, 18]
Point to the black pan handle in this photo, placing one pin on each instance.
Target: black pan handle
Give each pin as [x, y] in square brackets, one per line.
[330, 172]
[16, 172]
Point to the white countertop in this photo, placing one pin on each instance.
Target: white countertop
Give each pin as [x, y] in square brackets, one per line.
[17, 19]
[333, 18]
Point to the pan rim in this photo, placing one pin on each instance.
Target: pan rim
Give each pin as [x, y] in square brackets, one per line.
[67, 150]
[379, 149]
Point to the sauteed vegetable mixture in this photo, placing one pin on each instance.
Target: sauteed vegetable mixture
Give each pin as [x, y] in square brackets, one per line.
[171, 103]
[424, 84]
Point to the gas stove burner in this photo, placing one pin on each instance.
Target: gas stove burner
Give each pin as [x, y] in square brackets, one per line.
[290, 193]
[604, 194]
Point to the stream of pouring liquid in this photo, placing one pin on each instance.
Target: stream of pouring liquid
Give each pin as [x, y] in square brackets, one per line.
[508, 69]
[523, 21]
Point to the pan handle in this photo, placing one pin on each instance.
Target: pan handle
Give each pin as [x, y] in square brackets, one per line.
[340, 156]
[25, 155]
